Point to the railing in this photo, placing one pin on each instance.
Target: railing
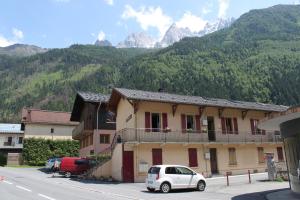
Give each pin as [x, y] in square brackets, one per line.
[143, 135]
[8, 144]
[78, 129]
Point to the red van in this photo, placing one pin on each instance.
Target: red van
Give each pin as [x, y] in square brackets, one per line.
[74, 166]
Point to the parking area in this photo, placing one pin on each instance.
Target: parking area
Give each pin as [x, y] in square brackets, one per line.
[32, 183]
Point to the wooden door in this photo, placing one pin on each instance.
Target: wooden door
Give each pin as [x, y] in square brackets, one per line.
[156, 156]
[213, 160]
[128, 167]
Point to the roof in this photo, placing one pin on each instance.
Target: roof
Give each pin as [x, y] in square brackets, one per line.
[86, 97]
[194, 100]
[93, 97]
[31, 115]
[10, 128]
[272, 122]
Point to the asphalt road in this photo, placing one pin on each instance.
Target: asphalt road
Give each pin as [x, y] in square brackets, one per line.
[33, 184]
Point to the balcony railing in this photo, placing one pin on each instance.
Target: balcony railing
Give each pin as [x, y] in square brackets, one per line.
[78, 130]
[157, 136]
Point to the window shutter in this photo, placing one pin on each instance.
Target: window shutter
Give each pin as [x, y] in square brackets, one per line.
[198, 124]
[252, 126]
[147, 121]
[193, 160]
[165, 120]
[235, 126]
[223, 125]
[183, 123]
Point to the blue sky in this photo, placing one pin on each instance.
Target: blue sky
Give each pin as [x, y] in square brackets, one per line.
[60, 23]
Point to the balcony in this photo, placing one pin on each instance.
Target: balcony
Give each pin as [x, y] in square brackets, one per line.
[78, 130]
[148, 136]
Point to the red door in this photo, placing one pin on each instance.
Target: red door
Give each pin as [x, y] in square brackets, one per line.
[156, 156]
[128, 171]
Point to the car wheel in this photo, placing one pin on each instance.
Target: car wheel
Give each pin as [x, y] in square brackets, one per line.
[150, 189]
[165, 187]
[201, 186]
[68, 174]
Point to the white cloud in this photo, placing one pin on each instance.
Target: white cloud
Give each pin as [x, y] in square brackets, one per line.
[223, 6]
[297, 2]
[109, 2]
[149, 17]
[101, 36]
[193, 22]
[5, 42]
[18, 34]
[207, 8]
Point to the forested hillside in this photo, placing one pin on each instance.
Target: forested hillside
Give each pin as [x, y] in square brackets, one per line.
[256, 59]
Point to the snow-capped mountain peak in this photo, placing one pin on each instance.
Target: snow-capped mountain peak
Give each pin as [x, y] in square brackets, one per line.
[137, 40]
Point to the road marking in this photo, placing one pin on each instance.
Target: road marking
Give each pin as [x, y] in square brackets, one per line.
[23, 188]
[46, 197]
[10, 183]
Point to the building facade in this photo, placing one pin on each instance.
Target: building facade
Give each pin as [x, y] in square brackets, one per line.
[46, 124]
[96, 127]
[288, 123]
[212, 136]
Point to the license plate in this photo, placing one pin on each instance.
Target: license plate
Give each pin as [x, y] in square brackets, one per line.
[150, 182]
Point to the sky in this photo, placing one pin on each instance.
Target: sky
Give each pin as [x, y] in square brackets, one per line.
[61, 23]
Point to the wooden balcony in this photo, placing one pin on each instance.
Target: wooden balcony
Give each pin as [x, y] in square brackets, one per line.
[80, 130]
[157, 136]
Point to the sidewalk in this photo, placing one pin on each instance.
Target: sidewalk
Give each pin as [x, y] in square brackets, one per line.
[283, 195]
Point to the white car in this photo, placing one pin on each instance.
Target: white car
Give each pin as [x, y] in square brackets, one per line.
[168, 177]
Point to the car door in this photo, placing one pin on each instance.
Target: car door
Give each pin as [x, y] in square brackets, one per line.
[172, 174]
[186, 177]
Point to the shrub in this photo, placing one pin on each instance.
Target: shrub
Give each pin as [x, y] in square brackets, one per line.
[36, 151]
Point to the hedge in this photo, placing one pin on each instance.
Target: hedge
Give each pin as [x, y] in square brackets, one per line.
[3, 158]
[36, 151]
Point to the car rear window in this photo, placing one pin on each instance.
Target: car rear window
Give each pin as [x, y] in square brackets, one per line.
[81, 162]
[154, 170]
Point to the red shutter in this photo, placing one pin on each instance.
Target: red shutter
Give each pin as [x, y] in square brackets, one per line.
[147, 121]
[198, 124]
[280, 154]
[235, 126]
[156, 156]
[223, 125]
[164, 120]
[252, 126]
[183, 123]
[193, 160]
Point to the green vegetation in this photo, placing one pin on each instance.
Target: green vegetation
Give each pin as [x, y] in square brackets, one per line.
[37, 151]
[3, 159]
[256, 59]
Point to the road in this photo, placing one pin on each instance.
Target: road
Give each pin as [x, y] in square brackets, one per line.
[33, 184]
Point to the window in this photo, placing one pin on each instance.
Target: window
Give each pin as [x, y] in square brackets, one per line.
[232, 156]
[155, 119]
[228, 124]
[280, 154]
[190, 125]
[193, 160]
[171, 170]
[184, 171]
[52, 130]
[20, 141]
[104, 139]
[261, 156]
[254, 127]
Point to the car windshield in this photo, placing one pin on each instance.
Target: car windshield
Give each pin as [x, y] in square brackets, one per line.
[154, 170]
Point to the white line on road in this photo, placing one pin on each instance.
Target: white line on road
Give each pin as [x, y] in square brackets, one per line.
[10, 183]
[46, 197]
[23, 188]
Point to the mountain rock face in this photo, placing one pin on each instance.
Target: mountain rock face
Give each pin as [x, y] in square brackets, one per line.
[174, 34]
[137, 40]
[21, 50]
[215, 26]
[103, 43]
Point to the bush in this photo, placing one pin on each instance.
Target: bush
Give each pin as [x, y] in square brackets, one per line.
[36, 151]
[3, 159]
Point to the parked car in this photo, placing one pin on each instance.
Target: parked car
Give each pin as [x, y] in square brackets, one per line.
[50, 163]
[74, 166]
[169, 177]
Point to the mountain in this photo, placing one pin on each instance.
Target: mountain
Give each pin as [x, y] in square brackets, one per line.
[257, 58]
[137, 40]
[103, 43]
[174, 34]
[21, 50]
[215, 26]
